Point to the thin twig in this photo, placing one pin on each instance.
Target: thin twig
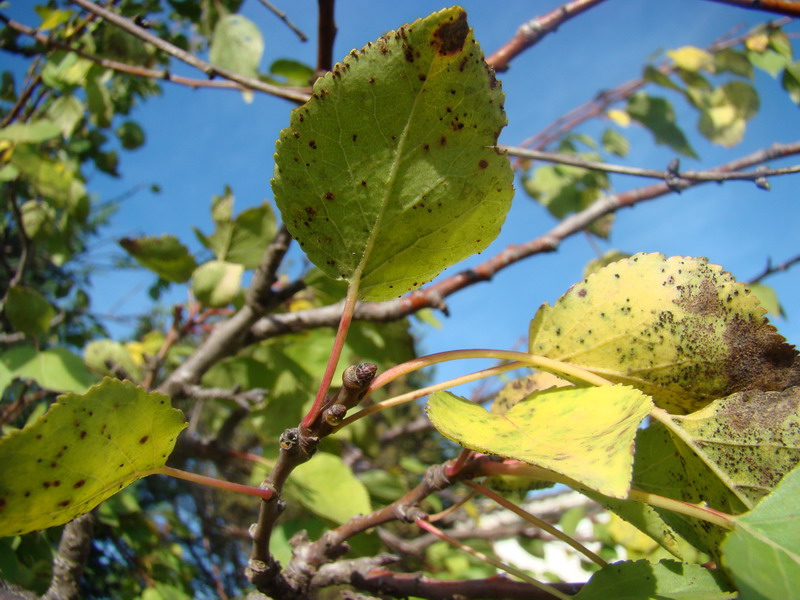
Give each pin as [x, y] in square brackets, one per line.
[326, 34]
[187, 57]
[770, 270]
[672, 177]
[533, 31]
[789, 8]
[282, 16]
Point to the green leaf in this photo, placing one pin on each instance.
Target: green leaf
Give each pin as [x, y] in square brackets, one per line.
[130, 135]
[615, 143]
[733, 61]
[67, 111]
[33, 132]
[99, 101]
[585, 434]
[328, 488]
[292, 72]
[385, 176]
[53, 180]
[237, 45]
[656, 76]
[108, 357]
[243, 240]
[217, 283]
[657, 115]
[83, 450]
[51, 17]
[791, 81]
[749, 441]
[164, 255]
[770, 61]
[763, 552]
[768, 298]
[63, 71]
[725, 113]
[28, 311]
[668, 579]
[55, 369]
[681, 330]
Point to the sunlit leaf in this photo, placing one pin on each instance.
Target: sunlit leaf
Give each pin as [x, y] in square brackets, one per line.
[770, 61]
[387, 175]
[164, 255]
[620, 117]
[108, 357]
[83, 450]
[726, 110]
[67, 111]
[237, 45]
[328, 488]
[33, 132]
[244, 239]
[292, 72]
[217, 283]
[679, 329]
[763, 551]
[55, 369]
[768, 298]
[692, 58]
[643, 580]
[585, 434]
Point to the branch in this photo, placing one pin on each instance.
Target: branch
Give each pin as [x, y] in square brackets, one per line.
[70, 559]
[135, 70]
[533, 31]
[326, 33]
[189, 58]
[790, 8]
[433, 296]
[673, 178]
[282, 16]
[770, 270]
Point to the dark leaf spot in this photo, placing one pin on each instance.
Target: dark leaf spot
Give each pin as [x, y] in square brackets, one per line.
[482, 164]
[143, 439]
[78, 484]
[449, 37]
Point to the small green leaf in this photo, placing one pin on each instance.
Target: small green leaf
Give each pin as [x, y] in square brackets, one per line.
[237, 45]
[67, 111]
[768, 298]
[657, 115]
[217, 283]
[243, 240]
[679, 329]
[733, 61]
[328, 488]
[615, 143]
[164, 255]
[108, 357]
[668, 579]
[585, 434]
[51, 17]
[130, 135]
[770, 61]
[56, 369]
[292, 72]
[99, 101]
[656, 76]
[83, 450]
[763, 551]
[28, 311]
[387, 175]
[33, 132]
[791, 81]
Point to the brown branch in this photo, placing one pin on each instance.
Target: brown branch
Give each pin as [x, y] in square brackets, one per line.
[673, 177]
[282, 16]
[70, 559]
[790, 8]
[432, 296]
[326, 34]
[187, 57]
[533, 31]
[770, 270]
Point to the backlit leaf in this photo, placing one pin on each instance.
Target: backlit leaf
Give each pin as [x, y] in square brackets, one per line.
[692, 58]
[83, 450]
[237, 45]
[763, 552]
[55, 369]
[35, 131]
[679, 329]
[768, 298]
[657, 115]
[164, 255]
[725, 112]
[385, 176]
[328, 488]
[585, 434]
[217, 283]
[244, 239]
[668, 579]
[108, 357]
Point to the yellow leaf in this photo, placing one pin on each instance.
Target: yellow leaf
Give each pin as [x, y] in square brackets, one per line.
[757, 42]
[692, 58]
[585, 434]
[620, 117]
[679, 329]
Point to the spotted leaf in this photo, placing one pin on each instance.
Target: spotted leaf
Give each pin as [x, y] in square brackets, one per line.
[83, 450]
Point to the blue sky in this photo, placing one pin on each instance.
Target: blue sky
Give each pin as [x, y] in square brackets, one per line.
[200, 141]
